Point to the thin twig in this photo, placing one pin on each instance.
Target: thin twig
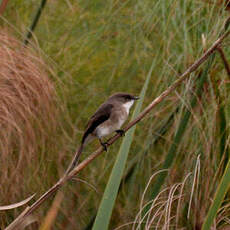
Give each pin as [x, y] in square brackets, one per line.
[99, 151]
[35, 21]
[226, 65]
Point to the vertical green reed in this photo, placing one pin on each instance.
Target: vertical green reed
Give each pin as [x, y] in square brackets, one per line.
[111, 190]
[218, 198]
[133, 167]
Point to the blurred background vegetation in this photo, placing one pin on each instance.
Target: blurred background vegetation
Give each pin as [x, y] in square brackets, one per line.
[88, 50]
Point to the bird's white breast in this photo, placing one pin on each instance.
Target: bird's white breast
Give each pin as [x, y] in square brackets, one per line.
[103, 131]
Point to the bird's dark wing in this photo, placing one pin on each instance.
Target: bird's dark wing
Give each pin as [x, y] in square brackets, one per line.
[100, 116]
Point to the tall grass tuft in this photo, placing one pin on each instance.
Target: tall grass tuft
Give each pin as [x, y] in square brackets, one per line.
[28, 117]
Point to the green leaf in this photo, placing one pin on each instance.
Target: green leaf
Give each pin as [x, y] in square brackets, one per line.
[133, 165]
[219, 196]
[111, 190]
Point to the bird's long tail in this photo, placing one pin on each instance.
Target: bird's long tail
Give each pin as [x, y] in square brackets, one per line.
[75, 159]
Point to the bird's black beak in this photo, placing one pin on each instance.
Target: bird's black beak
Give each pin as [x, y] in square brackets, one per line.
[136, 98]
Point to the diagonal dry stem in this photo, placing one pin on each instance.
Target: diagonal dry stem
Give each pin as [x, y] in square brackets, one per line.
[99, 151]
[155, 102]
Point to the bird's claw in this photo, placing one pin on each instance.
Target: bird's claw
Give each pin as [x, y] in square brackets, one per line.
[104, 145]
[121, 132]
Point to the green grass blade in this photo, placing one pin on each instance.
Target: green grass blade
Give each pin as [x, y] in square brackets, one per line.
[167, 124]
[111, 190]
[223, 134]
[219, 196]
[222, 122]
[179, 134]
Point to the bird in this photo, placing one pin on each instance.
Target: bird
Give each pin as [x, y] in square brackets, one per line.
[108, 118]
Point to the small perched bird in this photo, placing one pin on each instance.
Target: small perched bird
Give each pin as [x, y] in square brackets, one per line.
[108, 118]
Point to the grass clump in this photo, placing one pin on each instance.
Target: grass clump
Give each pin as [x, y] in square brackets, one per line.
[29, 118]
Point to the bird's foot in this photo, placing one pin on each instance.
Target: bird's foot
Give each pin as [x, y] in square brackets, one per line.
[121, 132]
[104, 145]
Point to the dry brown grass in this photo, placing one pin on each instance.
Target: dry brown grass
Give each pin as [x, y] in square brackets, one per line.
[28, 115]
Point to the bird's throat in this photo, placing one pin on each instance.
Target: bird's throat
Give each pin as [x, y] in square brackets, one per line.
[128, 105]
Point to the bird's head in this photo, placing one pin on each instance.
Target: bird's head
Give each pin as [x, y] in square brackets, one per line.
[124, 98]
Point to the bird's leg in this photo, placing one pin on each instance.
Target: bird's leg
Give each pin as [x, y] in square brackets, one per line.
[104, 144]
[121, 132]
